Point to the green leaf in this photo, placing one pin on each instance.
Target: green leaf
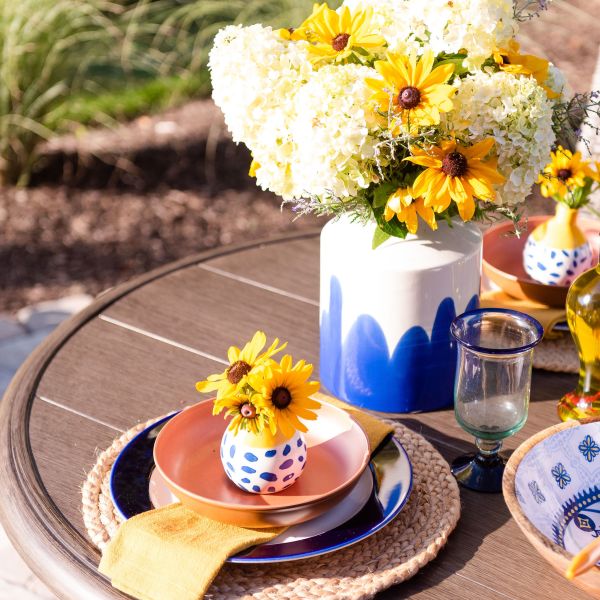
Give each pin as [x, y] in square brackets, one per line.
[393, 228]
[379, 237]
[382, 193]
[459, 68]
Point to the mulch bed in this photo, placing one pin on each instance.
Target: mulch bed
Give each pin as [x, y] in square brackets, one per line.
[58, 241]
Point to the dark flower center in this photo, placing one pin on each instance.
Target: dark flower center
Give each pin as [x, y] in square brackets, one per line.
[340, 41]
[281, 397]
[454, 164]
[237, 370]
[409, 97]
[564, 174]
[247, 410]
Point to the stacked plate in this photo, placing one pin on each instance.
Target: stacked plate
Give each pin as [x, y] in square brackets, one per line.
[342, 497]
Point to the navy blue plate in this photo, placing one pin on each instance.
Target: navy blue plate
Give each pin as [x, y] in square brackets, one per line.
[392, 483]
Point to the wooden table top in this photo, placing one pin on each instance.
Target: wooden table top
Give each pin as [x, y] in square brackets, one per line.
[137, 353]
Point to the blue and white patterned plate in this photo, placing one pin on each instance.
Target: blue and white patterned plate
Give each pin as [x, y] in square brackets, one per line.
[557, 485]
[378, 498]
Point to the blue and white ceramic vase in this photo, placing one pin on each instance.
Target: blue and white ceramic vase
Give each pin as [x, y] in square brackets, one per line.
[263, 464]
[386, 313]
[557, 251]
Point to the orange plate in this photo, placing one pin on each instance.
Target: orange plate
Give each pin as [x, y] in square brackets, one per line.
[186, 453]
[503, 261]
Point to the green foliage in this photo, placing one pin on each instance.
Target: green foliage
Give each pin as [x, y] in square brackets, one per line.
[379, 236]
[391, 228]
[70, 62]
[128, 103]
[382, 192]
[49, 47]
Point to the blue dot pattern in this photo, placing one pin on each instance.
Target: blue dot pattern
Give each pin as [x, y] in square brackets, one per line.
[255, 470]
[554, 266]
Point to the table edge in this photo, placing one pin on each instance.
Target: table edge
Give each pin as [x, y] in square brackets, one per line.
[32, 521]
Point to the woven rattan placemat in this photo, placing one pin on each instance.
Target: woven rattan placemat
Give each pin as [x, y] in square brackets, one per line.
[388, 557]
[558, 354]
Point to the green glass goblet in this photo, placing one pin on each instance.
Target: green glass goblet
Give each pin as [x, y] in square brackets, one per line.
[492, 386]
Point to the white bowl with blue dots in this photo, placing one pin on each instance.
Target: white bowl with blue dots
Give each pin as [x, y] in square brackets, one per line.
[554, 266]
[262, 470]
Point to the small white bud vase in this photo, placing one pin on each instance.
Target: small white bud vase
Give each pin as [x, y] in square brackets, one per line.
[263, 464]
[557, 251]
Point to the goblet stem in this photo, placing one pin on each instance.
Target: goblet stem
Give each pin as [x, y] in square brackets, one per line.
[488, 448]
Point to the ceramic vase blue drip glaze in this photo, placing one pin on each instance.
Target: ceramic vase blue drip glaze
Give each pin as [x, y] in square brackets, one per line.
[386, 313]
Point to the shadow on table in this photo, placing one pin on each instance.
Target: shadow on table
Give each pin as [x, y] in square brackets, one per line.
[481, 515]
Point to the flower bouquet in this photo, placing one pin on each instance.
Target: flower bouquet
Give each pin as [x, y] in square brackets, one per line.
[394, 110]
[557, 251]
[267, 402]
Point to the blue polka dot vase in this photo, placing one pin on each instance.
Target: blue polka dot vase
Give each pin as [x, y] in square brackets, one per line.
[259, 467]
[557, 251]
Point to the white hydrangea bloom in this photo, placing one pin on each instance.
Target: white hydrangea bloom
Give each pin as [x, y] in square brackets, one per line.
[557, 82]
[517, 113]
[252, 69]
[332, 133]
[477, 26]
[255, 75]
[393, 19]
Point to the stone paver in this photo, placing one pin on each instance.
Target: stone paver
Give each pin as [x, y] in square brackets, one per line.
[9, 328]
[50, 314]
[16, 580]
[18, 338]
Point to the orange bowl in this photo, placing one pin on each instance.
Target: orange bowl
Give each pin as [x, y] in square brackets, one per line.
[186, 454]
[503, 261]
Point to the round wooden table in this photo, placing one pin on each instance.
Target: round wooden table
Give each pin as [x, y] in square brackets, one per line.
[137, 352]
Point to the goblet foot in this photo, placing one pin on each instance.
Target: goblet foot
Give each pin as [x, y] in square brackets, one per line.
[478, 472]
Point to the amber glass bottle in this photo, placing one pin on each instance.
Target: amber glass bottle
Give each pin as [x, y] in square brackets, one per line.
[583, 314]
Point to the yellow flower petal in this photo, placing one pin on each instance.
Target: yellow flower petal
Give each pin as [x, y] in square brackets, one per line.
[480, 149]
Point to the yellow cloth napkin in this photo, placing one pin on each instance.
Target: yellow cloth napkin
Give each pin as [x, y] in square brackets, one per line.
[173, 553]
[546, 315]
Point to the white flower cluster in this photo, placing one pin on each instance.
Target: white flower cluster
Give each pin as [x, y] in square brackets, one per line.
[400, 22]
[332, 133]
[313, 131]
[447, 26]
[255, 75]
[517, 113]
[557, 82]
[306, 129]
